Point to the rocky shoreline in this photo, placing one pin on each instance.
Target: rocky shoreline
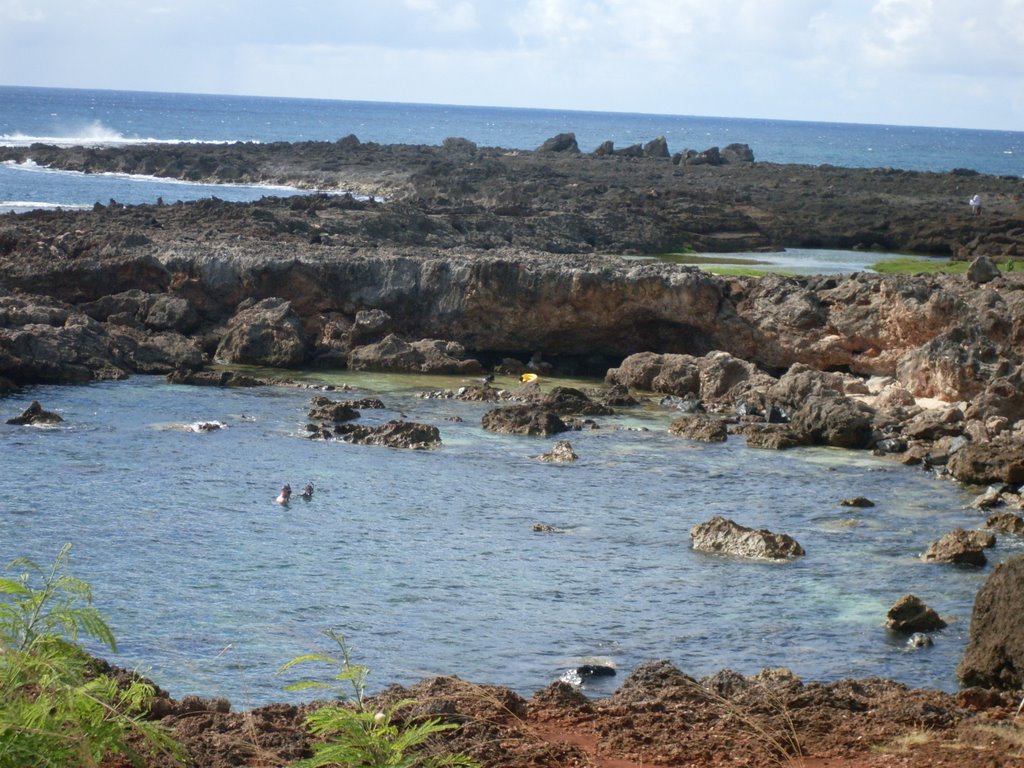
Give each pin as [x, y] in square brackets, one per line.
[466, 260]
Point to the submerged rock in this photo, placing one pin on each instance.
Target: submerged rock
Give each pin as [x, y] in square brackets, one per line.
[723, 536]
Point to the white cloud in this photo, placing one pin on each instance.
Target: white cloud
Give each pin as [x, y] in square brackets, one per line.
[905, 61]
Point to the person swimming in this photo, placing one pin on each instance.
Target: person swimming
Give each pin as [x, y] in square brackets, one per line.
[307, 492]
[285, 495]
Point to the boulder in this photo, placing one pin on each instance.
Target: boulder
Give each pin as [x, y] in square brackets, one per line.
[773, 436]
[995, 650]
[910, 614]
[998, 461]
[156, 353]
[567, 401]
[715, 377]
[170, 313]
[523, 420]
[394, 434]
[561, 453]
[982, 270]
[706, 429]
[722, 536]
[266, 333]
[325, 409]
[1006, 522]
[210, 378]
[955, 365]
[710, 156]
[393, 353]
[657, 148]
[960, 547]
[834, 420]
[369, 325]
[934, 424]
[737, 153]
[563, 142]
[34, 415]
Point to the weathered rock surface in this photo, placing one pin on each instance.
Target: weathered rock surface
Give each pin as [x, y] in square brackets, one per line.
[35, 415]
[560, 453]
[425, 356]
[999, 461]
[909, 614]
[706, 429]
[498, 254]
[960, 547]
[722, 536]
[326, 409]
[267, 333]
[529, 420]
[995, 651]
[1006, 522]
[394, 434]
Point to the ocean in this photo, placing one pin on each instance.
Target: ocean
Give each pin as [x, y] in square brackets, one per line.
[92, 117]
[427, 561]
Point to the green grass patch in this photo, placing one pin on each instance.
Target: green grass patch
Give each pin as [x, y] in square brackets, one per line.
[911, 265]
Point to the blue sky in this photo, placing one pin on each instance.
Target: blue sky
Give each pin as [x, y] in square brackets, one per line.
[907, 62]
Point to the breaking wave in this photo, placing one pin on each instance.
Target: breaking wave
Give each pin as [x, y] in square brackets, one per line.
[94, 134]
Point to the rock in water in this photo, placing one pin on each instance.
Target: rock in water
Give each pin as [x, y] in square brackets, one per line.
[960, 547]
[35, 415]
[723, 536]
[910, 614]
[561, 453]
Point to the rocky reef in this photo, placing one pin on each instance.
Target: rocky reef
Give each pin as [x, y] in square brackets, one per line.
[460, 260]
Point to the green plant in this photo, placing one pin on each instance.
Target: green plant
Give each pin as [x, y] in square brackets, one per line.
[54, 709]
[356, 736]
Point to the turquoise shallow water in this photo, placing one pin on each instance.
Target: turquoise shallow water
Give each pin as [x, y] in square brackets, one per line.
[427, 562]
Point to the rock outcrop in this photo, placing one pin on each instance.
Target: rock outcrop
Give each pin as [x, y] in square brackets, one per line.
[995, 651]
[725, 537]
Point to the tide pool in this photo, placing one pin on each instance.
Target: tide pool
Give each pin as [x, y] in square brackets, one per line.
[427, 561]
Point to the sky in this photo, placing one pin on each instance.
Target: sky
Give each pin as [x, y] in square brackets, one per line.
[956, 63]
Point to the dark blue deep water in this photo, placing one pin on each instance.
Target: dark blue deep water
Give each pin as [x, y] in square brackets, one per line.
[427, 562]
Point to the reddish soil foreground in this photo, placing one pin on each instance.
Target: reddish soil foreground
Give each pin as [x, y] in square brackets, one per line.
[659, 717]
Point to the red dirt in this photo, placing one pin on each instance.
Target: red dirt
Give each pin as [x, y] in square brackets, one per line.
[658, 717]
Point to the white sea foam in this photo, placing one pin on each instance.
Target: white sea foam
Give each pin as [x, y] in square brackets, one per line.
[34, 167]
[93, 134]
[24, 206]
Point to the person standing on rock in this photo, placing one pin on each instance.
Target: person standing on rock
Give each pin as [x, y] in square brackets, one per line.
[975, 203]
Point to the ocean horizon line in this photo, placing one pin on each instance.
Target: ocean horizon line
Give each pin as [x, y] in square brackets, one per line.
[511, 108]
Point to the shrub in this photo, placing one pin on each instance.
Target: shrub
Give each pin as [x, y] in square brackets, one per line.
[53, 710]
[354, 735]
